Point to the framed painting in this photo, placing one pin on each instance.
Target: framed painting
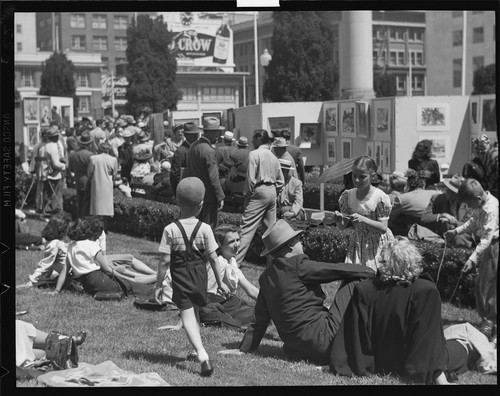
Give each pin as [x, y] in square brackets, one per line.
[488, 115]
[278, 124]
[331, 150]
[230, 120]
[440, 147]
[33, 135]
[362, 119]
[347, 120]
[386, 157]
[66, 117]
[369, 149]
[45, 112]
[433, 117]
[31, 111]
[215, 114]
[474, 113]
[346, 148]
[377, 154]
[309, 135]
[383, 120]
[331, 119]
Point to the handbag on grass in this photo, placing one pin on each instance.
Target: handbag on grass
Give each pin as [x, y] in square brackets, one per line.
[61, 351]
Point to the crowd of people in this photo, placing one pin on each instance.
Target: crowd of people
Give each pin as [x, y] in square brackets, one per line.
[386, 314]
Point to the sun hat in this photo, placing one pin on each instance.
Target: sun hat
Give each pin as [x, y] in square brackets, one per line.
[190, 191]
[141, 124]
[277, 235]
[129, 119]
[120, 122]
[128, 132]
[191, 127]
[52, 131]
[280, 142]
[212, 124]
[242, 142]
[143, 155]
[142, 136]
[453, 183]
[229, 136]
[285, 164]
[84, 138]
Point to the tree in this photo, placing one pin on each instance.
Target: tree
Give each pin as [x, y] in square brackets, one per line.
[302, 67]
[484, 80]
[58, 78]
[152, 67]
[384, 85]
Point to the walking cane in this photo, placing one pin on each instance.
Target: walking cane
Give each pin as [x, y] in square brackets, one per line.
[455, 289]
[28, 193]
[442, 259]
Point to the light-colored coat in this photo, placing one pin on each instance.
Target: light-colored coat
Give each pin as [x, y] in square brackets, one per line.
[102, 173]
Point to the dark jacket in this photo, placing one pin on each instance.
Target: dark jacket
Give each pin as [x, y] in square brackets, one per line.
[296, 154]
[179, 161]
[431, 165]
[78, 164]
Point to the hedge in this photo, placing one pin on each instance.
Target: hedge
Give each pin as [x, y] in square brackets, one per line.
[146, 219]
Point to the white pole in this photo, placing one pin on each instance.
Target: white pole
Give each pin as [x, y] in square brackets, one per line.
[244, 91]
[464, 42]
[410, 69]
[322, 197]
[112, 94]
[53, 32]
[256, 52]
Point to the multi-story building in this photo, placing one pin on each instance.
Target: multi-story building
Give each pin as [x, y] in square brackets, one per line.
[25, 24]
[445, 49]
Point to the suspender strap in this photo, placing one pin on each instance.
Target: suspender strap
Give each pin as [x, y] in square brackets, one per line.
[188, 242]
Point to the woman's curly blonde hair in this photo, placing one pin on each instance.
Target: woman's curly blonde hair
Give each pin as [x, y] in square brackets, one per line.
[400, 261]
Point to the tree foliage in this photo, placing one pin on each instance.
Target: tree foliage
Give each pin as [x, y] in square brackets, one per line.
[302, 67]
[384, 85]
[484, 80]
[151, 68]
[58, 76]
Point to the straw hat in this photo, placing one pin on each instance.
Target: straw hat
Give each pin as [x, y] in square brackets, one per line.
[142, 136]
[128, 132]
[242, 142]
[277, 235]
[228, 136]
[285, 164]
[453, 184]
[280, 142]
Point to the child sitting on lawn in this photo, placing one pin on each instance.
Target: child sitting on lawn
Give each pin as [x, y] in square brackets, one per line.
[186, 245]
[53, 263]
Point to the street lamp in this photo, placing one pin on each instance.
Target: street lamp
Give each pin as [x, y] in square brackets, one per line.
[265, 58]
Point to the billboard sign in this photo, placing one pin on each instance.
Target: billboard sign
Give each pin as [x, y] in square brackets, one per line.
[201, 39]
[116, 86]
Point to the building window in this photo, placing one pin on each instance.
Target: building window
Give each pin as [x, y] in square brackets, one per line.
[477, 62]
[189, 94]
[399, 34]
[392, 34]
[420, 58]
[77, 21]
[401, 82]
[19, 29]
[457, 38]
[401, 58]
[100, 43]
[105, 63]
[417, 83]
[120, 60]
[478, 35]
[19, 47]
[120, 43]
[120, 23]
[457, 14]
[27, 78]
[78, 42]
[82, 79]
[457, 73]
[84, 104]
[99, 22]
[392, 57]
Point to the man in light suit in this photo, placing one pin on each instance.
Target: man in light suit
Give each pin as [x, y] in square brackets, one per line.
[290, 199]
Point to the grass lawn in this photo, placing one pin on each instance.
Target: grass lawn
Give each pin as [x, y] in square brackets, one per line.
[127, 336]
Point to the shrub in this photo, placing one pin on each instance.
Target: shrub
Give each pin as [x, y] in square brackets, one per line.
[311, 194]
[23, 182]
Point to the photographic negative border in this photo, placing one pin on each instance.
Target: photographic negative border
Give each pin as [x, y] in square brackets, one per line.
[386, 157]
[331, 142]
[382, 123]
[344, 151]
[362, 119]
[444, 109]
[346, 106]
[331, 128]
[314, 139]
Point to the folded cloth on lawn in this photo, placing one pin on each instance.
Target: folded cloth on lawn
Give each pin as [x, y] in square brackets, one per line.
[106, 374]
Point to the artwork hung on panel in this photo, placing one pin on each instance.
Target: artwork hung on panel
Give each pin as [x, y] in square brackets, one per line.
[377, 156]
[65, 110]
[278, 124]
[347, 120]
[331, 119]
[440, 147]
[369, 149]
[331, 146]
[31, 110]
[488, 116]
[309, 135]
[45, 111]
[33, 135]
[386, 163]
[383, 117]
[474, 112]
[216, 115]
[433, 117]
[230, 120]
[362, 118]
[346, 148]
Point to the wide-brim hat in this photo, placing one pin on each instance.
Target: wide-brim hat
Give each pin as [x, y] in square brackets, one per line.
[129, 119]
[191, 127]
[190, 191]
[212, 124]
[453, 183]
[228, 136]
[277, 235]
[144, 155]
[120, 122]
[128, 132]
[280, 142]
[52, 131]
[84, 138]
[242, 141]
[142, 136]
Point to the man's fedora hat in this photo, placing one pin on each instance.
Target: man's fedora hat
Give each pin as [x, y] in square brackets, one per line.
[453, 184]
[242, 141]
[84, 138]
[212, 124]
[277, 235]
[191, 127]
[280, 142]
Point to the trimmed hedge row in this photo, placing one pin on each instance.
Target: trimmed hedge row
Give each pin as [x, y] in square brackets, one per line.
[146, 219]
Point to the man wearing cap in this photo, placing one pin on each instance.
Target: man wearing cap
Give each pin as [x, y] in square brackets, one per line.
[202, 163]
[239, 159]
[53, 183]
[290, 199]
[179, 160]
[78, 164]
[296, 154]
[290, 295]
[444, 213]
[264, 182]
[226, 150]
[279, 148]
[125, 154]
